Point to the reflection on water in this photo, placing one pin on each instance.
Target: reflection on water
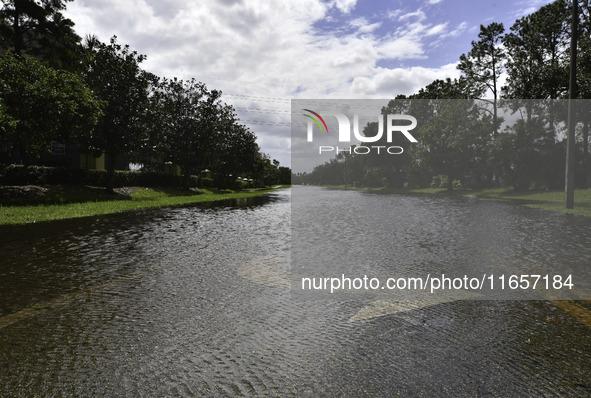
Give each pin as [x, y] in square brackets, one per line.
[195, 301]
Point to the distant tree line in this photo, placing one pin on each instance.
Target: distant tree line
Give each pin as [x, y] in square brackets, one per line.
[54, 86]
[468, 142]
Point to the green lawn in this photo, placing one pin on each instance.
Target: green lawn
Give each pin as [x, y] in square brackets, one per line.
[75, 204]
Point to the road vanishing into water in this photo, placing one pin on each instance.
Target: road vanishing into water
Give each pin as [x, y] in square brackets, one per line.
[196, 301]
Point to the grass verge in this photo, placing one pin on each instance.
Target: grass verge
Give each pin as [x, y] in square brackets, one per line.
[140, 198]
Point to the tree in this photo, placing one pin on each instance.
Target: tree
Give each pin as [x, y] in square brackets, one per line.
[113, 73]
[198, 131]
[39, 29]
[180, 139]
[584, 86]
[449, 141]
[284, 175]
[461, 152]
[483, 65]
[380, 167]
[234, 151]
[267, 171]
[461, 88]
[528, 151]
[191, 119]
[7, 123]
[537, 60]
[41, 104]
[569, 186]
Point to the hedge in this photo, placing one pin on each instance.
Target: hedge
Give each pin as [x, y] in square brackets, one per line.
[17, 174]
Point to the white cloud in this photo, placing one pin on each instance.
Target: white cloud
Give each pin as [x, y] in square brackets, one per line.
[401, 48]
[345, 5]
[419, 14]
[525, 7]
[436, 30]
[461, 28]
[393, 14]
[387, 83]
[363, 26]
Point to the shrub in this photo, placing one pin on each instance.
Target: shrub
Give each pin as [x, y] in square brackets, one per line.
[440, 181]
[17, 174]
[206, 183]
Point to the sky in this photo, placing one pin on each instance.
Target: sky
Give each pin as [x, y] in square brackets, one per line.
[262, 54]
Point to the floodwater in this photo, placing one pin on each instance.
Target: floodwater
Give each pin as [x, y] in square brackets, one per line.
[196, 301]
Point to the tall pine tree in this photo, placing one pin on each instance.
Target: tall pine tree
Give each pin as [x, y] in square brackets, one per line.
[38, 28]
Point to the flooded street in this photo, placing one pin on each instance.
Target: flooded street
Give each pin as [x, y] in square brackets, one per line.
[196, 301]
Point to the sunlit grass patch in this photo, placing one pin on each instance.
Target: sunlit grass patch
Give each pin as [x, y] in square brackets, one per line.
[141, 198]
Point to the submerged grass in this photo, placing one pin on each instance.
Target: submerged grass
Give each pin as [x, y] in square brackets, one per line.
[140, 198]
[583, 211]
[545, 200]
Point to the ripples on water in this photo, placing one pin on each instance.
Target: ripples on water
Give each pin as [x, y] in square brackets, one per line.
[384, 236]
[165, 303]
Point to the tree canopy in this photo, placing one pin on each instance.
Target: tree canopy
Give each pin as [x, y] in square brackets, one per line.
[41, 104]
[38, 28]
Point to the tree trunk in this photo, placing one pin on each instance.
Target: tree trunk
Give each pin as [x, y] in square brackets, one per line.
[22, 151]
[185, 174]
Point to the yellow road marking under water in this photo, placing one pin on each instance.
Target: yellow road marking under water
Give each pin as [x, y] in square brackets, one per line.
[575, 310]
[264, 270]
[379, 308]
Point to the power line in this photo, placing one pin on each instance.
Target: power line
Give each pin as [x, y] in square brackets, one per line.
[264, 111]
[258, 98]
[267, 123]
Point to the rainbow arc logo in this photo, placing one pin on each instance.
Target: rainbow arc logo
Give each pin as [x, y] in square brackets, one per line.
[317, 119]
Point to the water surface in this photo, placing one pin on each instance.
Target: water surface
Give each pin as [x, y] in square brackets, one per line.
[195, 301]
